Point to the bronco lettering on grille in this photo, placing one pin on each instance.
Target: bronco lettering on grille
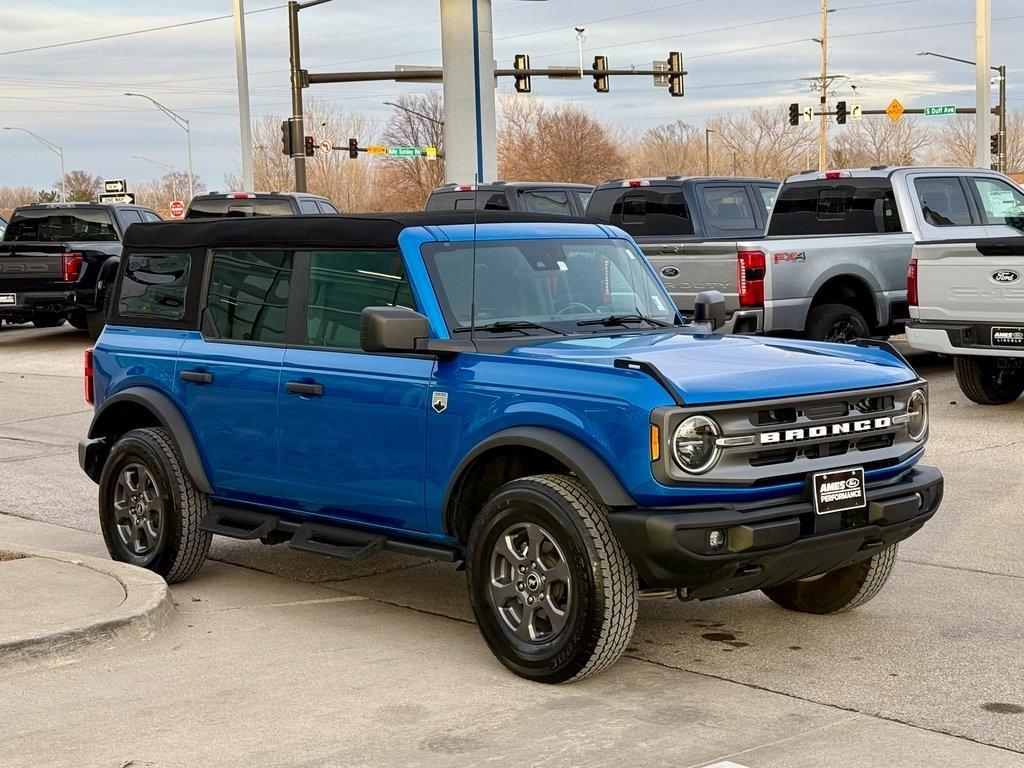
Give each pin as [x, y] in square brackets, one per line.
[797, 434]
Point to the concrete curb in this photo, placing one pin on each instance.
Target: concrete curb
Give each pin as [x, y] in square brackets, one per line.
[146, 608]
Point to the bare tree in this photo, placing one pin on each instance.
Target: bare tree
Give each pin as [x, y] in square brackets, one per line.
[159, 192]
[761, 143]
[406, 182]
[674, 148]
[954, 142]
[82, 187]
[879, 140]
[12, 197]
[537, 143]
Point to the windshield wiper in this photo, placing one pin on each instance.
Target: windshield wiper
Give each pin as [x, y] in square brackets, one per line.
[500, 326]
[625, 320]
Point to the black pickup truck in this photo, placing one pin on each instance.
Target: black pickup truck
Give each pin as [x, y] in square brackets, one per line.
[57, 260]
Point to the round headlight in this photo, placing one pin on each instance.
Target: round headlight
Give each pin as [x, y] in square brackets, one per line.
[917, 410]
[693, 444]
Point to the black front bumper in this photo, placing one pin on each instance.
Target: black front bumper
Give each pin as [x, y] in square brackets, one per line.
[768, 545]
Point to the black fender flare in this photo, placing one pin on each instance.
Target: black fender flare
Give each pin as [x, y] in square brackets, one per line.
[170, 418]
[107, 276]
[584, 463]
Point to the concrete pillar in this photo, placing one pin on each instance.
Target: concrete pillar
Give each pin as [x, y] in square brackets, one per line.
[470, 128]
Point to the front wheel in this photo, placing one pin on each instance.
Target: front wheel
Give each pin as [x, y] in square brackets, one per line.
[837, 323]
[553, 592]
[836, 591]
[984, 382]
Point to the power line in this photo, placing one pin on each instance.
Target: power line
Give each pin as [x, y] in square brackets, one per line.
[134, 32]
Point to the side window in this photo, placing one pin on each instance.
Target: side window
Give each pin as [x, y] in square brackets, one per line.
[767, 197]
[584, 199]
[653, 211]
[129, 217]
[943, 202]
[547, 201]
[150, 216]
[497, 202]
[248, 295]
[308, 206]
[342, 284]
[1001, 203]
[728, 208]
[857, 206]
[326, 207]
[154, 285]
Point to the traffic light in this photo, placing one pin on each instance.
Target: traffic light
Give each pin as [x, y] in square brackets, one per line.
[286, 137]
[521, 65]
[993, 144]
[309, 146]
[353, 149]
[601, 81]
[794, 114]
[841, 112]
[675, 73]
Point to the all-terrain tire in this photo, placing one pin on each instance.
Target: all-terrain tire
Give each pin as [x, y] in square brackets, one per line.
[841, 590]
[838, 323]
[600, 614]
[181, 546]
[981, 379]
[97, 320]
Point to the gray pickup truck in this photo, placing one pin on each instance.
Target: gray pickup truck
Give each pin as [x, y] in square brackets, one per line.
[832, 262]
[966, 291]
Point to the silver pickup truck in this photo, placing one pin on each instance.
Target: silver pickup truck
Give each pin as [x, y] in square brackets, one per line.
[966, 291]
[832, 264]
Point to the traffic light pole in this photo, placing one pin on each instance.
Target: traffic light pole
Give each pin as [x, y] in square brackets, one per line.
[435, 75]
[295, 122]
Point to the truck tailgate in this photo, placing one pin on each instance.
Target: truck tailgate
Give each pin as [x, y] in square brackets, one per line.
[28, 267]
[686, 269]
[980, 281]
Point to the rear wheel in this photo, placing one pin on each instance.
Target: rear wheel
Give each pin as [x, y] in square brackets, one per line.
[78, 319]
[984, 382]
[554, 594]
[47, 320]
[150, 510]
[839, 590]
[838, 323]
[97, 320]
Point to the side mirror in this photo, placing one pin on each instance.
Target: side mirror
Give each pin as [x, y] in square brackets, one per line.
[709, 307]
[391, 329]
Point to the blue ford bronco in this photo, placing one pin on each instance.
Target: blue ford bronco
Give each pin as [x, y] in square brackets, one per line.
[514, 393]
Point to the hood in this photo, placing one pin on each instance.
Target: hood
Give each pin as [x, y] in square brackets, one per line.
[707, 368]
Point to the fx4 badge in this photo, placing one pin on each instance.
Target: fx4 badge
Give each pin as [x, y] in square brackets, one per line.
[439, 402]
[789, 256]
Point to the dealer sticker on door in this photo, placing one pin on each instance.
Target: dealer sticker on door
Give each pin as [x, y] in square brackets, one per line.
[1001, 337]
[7, 298]
[839, 491]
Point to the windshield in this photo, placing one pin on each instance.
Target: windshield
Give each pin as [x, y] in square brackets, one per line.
[557, 283]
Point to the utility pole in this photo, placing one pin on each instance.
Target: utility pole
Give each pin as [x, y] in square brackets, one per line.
[982, 31]
[244, 114]
[1001, 157]
[823, 124]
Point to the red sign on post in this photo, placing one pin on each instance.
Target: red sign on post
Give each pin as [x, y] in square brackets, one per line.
[177, 209]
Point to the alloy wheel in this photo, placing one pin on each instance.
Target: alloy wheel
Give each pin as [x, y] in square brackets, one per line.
[138, 510]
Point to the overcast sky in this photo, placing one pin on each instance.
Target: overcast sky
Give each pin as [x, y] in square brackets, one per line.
[738, 53]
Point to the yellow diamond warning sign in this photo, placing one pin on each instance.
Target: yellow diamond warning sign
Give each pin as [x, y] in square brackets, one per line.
[894, 110]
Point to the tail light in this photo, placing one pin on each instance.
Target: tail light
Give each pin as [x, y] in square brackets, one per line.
[87, 379]
[912, 283]
[750, 268]
[71, 267]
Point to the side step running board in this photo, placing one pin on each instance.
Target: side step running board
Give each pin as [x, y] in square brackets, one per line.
[322, 538]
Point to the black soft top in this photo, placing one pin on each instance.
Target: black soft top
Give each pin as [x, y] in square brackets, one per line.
[359, 230]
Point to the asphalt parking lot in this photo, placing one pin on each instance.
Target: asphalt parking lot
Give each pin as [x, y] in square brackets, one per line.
[929, 673]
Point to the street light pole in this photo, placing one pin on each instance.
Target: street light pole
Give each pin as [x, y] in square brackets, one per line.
[1001, 74]
[56, 149]
[982, 32]
[182, 123]
[168, 169]
[414, 112]
[244, 113]
[707, 150]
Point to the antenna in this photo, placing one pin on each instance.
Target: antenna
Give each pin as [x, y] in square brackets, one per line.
[472, 279]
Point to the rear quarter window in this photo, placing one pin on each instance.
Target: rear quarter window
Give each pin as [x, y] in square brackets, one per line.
[843, 207]
[643, 211]
[155, 285]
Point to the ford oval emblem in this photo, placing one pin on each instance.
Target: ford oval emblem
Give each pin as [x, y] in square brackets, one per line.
[1005, 276]
[670, 271]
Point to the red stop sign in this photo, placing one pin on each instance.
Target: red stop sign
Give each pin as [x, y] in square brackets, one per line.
[177, 209]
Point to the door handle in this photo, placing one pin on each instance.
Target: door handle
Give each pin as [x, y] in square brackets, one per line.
[304, 388]
[199, 377]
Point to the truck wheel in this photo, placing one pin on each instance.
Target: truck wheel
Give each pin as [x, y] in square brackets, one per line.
[554, 594]
[96, 320]
[839, 590]
[78, 320]
[838, 323]
[47, 320]
[150, 511]
[984, 382]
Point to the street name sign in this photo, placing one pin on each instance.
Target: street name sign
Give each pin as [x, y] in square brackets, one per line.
[404, 151]
[946, 109]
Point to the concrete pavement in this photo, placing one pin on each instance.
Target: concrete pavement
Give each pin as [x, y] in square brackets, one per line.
[927, 674]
